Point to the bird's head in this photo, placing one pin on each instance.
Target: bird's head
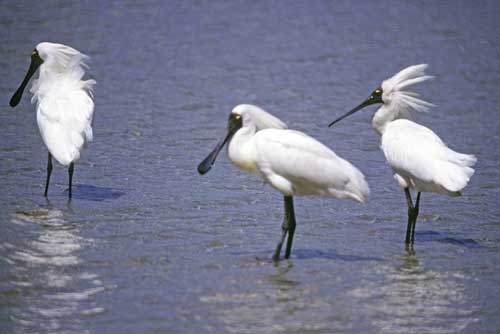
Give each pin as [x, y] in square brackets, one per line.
[234, 123]
[56, 56]
[59, 56]
[391, 93]
[247, 116]
[36, 61]
[254, 116]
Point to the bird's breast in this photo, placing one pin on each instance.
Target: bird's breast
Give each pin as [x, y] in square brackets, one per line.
[242, 155]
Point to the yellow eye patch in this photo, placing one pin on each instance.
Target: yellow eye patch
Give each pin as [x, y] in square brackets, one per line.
[34, 53]
[237, 116]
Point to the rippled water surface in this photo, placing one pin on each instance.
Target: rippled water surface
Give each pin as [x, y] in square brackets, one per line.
[149, 246]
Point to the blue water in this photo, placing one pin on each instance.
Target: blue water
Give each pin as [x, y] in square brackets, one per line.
[149, 246]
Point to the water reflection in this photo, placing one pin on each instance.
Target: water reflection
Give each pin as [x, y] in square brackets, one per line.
[277, 303]
[43, 283]
[408, 298]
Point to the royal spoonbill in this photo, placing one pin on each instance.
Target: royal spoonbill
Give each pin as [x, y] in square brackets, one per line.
[64, 105]
[418, 157]
[290, 161]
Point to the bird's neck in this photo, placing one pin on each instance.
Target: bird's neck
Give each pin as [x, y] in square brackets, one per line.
[383, 116]
[241, 149]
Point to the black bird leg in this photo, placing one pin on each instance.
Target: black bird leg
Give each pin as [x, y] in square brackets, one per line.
[70, 172]
[412, 216]
[287, 227]
[417, 204]
[290, 217]
[49, 171]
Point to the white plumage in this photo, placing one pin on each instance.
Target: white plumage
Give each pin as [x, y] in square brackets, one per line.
[290, 161]
[419, 158]
[64, 105]
[401, 100]
[259, 117]
[422, 161]
[296, 164]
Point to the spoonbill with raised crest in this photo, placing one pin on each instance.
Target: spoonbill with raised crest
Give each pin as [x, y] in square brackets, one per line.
[418, 157]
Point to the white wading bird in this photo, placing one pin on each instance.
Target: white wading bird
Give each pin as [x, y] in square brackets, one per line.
[419, 158]
[64, 106]
[290, 161]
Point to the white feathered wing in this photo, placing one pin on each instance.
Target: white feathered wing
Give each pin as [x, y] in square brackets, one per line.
[297, 164]
[422, 161]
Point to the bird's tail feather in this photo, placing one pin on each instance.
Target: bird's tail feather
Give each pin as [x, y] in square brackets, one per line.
[457, 172]
[357, 186]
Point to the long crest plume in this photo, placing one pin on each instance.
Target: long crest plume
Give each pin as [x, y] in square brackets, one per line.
[395, 93]
[65, 62]
[58, 57]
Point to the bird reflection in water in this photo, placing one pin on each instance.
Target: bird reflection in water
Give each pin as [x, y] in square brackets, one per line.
[46, 274]
[410, 298]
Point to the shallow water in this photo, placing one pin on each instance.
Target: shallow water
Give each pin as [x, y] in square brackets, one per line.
[149, 246]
